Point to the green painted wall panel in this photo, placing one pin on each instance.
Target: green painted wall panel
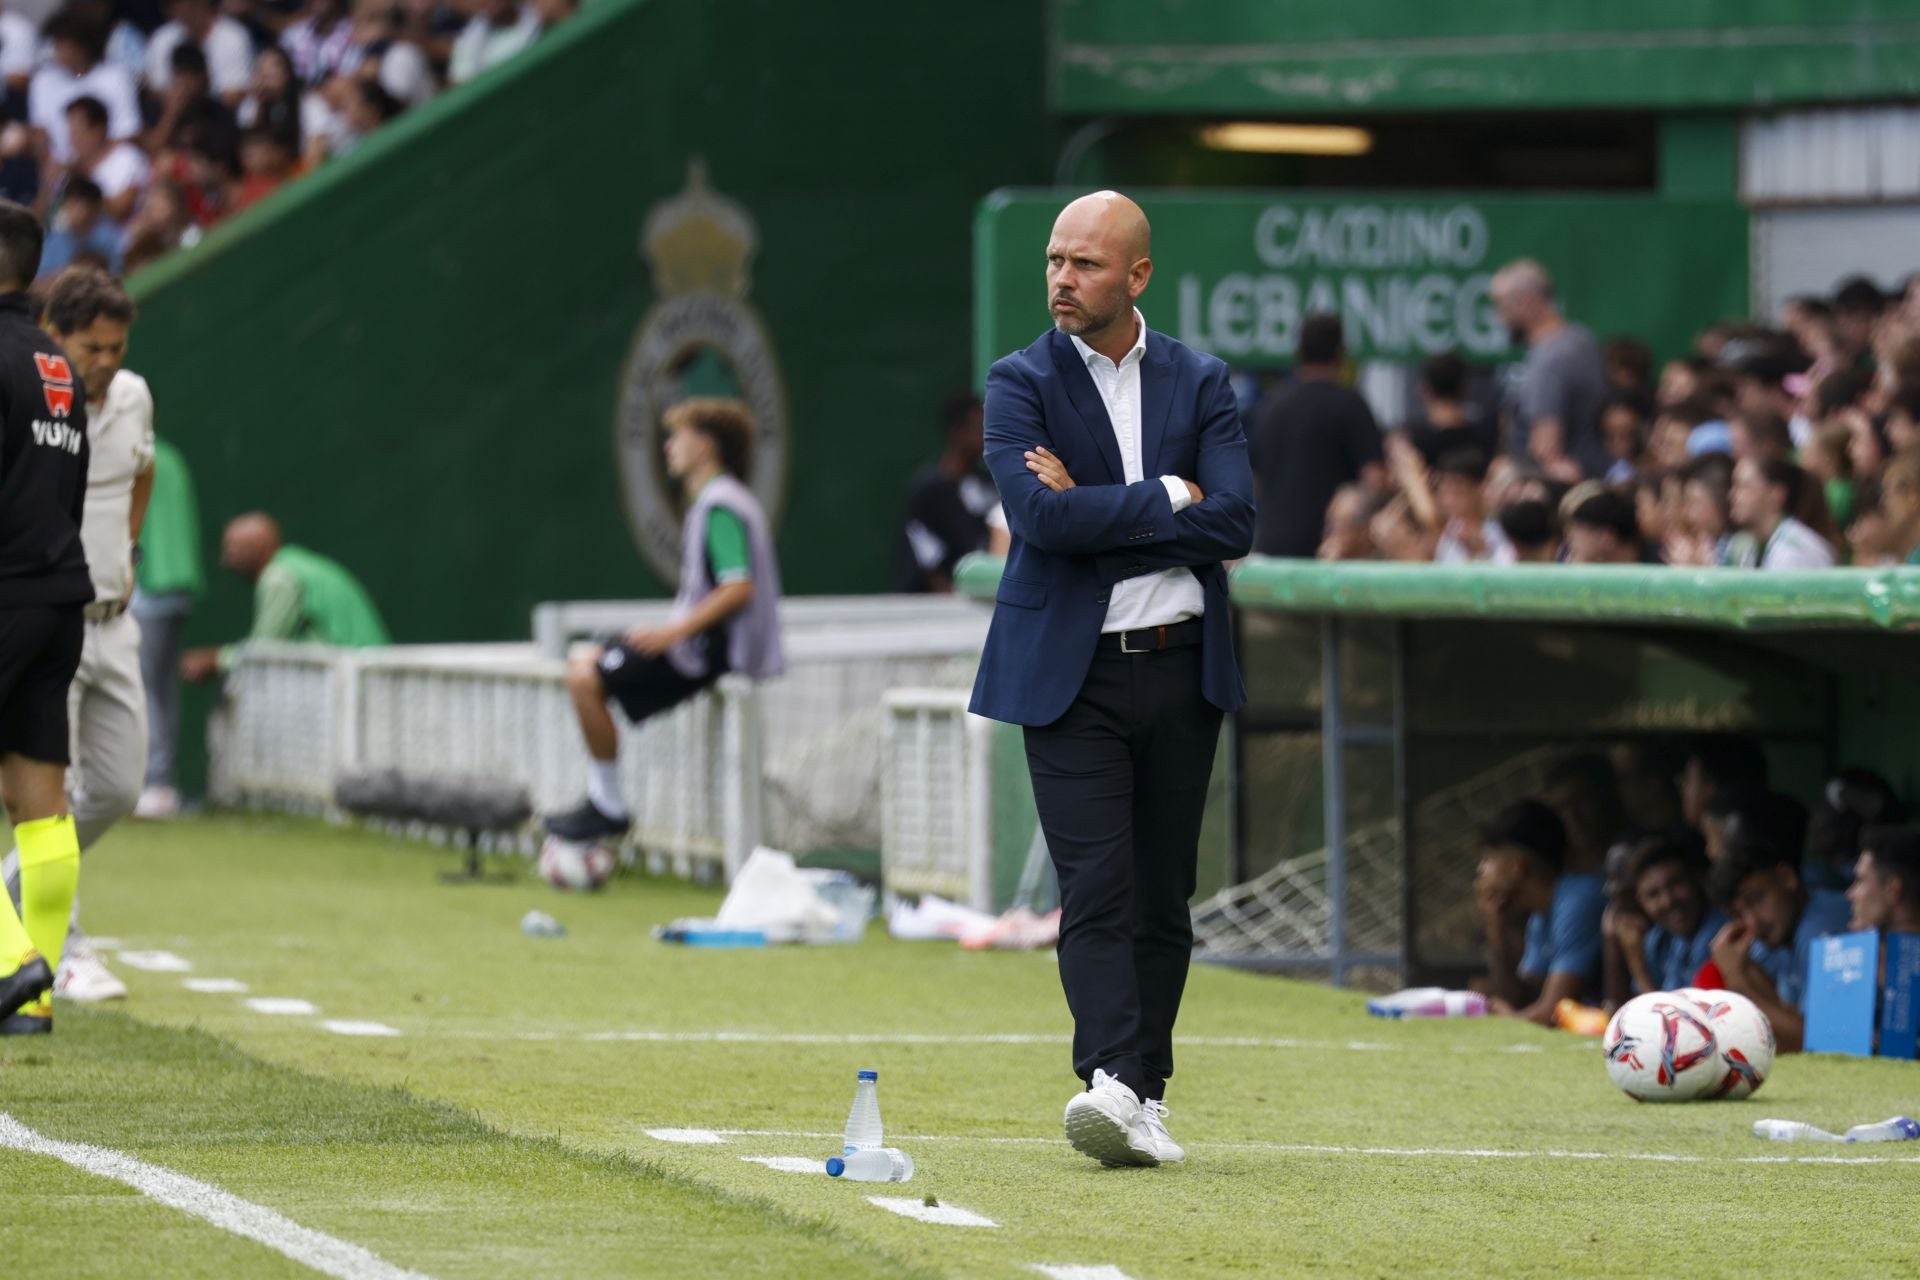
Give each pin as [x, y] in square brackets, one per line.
[1133, 57]
[1234, 271]
[415, 357]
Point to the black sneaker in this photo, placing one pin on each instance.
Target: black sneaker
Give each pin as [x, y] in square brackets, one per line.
[24, 985]
[34, 1020]
[585, 822]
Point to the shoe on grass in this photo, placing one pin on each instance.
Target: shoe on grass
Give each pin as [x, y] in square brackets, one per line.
[1104, 1123]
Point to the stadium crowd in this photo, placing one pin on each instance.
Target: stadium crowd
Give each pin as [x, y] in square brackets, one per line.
[1658, 866]
[133, 126]
[1787, 446]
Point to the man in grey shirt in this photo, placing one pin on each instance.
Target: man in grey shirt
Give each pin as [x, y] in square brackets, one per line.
[1555, 403]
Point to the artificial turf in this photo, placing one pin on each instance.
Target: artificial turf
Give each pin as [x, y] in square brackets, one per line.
[504, 1130]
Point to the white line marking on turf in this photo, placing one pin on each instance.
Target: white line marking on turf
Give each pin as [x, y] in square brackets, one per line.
[883, 1038]
[1310, 1148]
[282, 1005]
[105, 944]
[349, 1028]
[1080, 1273]
[215, 986]
[684, 1135]
[154, 961]
[789, 1164]
[945, 1215]
[313, 1249]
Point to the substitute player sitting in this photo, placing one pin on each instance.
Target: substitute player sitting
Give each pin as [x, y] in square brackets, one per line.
[726, 616]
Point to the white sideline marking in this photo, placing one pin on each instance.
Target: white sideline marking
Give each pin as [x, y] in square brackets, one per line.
[349, 1028]
[1310, 1148]
[215, 986]
[684, 1135]
[1081, 1273]
[789, 1164]
[885, 1038]
[154, 961]
[287, 1005]
[945, 1215]
[105, 944]
[313, 1249]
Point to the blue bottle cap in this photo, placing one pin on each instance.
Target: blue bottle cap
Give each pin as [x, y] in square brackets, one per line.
[835, 1166]
[869, 1075]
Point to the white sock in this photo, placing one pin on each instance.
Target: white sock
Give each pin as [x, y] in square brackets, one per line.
[603, 787]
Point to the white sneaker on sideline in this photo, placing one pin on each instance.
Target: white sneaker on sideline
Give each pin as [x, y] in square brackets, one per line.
[84, 977]
[1153, 1120]
[1104, 1123]
[157, 804]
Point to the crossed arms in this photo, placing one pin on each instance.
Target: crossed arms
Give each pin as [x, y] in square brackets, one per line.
[1128, 529]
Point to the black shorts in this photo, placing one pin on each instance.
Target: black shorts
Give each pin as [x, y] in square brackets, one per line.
[39, 652]
[645, 686]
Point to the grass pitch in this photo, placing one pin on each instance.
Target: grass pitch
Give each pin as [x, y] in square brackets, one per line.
[505, 1129]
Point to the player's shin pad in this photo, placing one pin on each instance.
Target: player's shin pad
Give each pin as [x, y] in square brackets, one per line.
[49, 877]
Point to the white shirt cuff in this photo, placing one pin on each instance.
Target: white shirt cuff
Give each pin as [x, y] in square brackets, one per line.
[1178, 492]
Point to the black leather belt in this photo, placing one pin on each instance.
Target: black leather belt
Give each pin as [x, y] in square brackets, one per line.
[1174, 635]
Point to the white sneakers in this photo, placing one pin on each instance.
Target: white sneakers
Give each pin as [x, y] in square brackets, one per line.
[157, 804]
[1109, 1123]
[84, 978]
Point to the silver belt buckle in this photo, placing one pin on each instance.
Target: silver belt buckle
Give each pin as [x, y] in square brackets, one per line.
[1123, 642]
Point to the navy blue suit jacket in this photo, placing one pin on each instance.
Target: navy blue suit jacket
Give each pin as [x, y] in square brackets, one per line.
[1069, 549]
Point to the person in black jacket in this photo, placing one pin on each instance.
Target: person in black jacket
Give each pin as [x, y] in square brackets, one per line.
[44, 585]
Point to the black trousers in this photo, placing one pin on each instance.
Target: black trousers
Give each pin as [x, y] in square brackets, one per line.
[1121, 785]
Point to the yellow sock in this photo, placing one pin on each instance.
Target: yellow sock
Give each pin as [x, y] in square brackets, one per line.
[15, 945]
[49, 877]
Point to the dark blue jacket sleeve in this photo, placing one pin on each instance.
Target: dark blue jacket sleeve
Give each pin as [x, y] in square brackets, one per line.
[1084, 519]
[1220, 526]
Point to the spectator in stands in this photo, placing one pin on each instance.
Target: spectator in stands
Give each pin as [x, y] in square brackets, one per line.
[298, 595]
[322, 43]
[947, 504]
[1900, 503]
[1532, 530]
[396, 63]
[1350, 516]
[119, 169]
[273, 97]
[1857, 307]
[1826, 464]
[225, 42]
[19, 56]
[1624, 431]
[1542, 921]
[1767, 493]
[1703, 533]
[268, 159]
[1555, 409]
[1468, 534]
[1670, 936]
[1451, 419]
[76, 69]
[364, 107]
[499, 31]
[1602, 529]
[433, 25]
[1763, 953]
[161, 225]
[1314, 435]
[195, 141]
[80, 228]
[1885, 894]
[171, 578]
[1869, 542]
[1759, 433]
[1629, 363]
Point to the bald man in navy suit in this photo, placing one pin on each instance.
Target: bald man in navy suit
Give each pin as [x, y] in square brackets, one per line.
[1123, 472]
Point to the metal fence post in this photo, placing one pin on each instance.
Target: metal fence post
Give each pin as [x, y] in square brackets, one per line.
[1333, 774]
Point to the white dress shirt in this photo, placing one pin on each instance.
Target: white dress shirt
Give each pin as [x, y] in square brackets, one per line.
[1172, 595]
[120, 442]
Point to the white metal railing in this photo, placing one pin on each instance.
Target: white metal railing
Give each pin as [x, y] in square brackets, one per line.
[794, 762]
[942, 619]
[936, 805]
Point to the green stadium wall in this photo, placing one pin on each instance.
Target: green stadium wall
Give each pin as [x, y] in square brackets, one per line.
[415, 358]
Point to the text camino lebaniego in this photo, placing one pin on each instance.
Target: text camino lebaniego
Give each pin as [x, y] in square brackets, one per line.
[1407, 280]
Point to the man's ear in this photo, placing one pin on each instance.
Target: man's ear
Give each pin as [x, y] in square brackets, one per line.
[1138, 275]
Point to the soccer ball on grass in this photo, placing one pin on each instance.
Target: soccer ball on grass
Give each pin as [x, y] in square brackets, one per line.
[1661, 1047]
[573, 866]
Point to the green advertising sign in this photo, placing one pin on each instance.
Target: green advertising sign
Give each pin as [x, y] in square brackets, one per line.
[1235, 272]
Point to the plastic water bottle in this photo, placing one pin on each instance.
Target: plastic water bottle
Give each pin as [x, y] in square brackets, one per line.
[538, 924]
[874, 1164]
[1898, 1129]
[1792, 1131]
[863, 1122]
[1429, 1002]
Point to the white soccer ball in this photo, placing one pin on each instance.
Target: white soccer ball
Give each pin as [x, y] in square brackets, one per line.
[1661, 1048]
[1743, 1044]
[570, 865]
